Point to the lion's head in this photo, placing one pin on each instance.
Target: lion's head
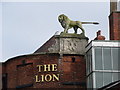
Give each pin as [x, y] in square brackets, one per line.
[62, 19]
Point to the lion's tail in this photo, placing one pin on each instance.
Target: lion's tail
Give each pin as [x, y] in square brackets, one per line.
[89, 22]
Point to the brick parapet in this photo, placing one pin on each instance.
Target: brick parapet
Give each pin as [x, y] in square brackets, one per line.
[21, 71]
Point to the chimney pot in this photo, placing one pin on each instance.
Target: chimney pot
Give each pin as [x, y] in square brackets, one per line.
[98, 33]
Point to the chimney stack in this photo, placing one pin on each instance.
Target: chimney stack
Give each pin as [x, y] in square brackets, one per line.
[114, 20]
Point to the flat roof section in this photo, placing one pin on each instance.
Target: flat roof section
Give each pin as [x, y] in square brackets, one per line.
[103, 43]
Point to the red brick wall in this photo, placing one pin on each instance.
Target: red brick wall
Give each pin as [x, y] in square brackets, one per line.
[0, 75]
[74, 71]
[25, 74]
[21, 71]
[114, 20]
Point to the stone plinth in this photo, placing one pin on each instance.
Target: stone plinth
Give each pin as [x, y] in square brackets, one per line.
[65, 44]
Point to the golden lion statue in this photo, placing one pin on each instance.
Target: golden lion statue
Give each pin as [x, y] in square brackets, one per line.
[66, 23]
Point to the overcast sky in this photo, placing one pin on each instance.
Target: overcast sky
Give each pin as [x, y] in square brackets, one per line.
[28, 25]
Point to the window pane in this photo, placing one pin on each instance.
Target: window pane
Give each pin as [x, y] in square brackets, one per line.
[91, 81]
[115, 77]
[88, 82]
[119, 76]
[119, 60]
[99, 79]
[88, 63]
[107, 59]
[90, 60]
[98, 58]
[107, 78]
[115, 58]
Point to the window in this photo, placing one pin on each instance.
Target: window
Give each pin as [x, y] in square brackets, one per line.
[107, 78]
[116, 76]
[89, 61]
[99, 79]
[116, 58]
[90, 81]
[98, 58]
[107, 59]
[87, 64]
